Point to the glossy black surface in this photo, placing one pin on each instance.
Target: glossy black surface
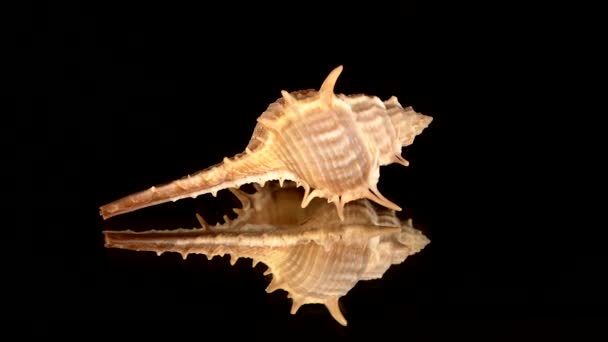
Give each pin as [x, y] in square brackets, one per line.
[138, 96]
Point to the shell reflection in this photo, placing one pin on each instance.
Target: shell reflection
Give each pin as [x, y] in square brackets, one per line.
[312, 254]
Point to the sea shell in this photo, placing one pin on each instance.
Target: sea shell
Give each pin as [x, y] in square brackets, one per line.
[311, 253]
[331, 144]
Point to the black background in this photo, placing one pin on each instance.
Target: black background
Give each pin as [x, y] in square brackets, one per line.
[139, 95]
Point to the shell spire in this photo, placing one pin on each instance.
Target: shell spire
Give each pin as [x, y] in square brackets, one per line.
[289, 98]
[334, 309]
[327, 88]
[331, 145]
